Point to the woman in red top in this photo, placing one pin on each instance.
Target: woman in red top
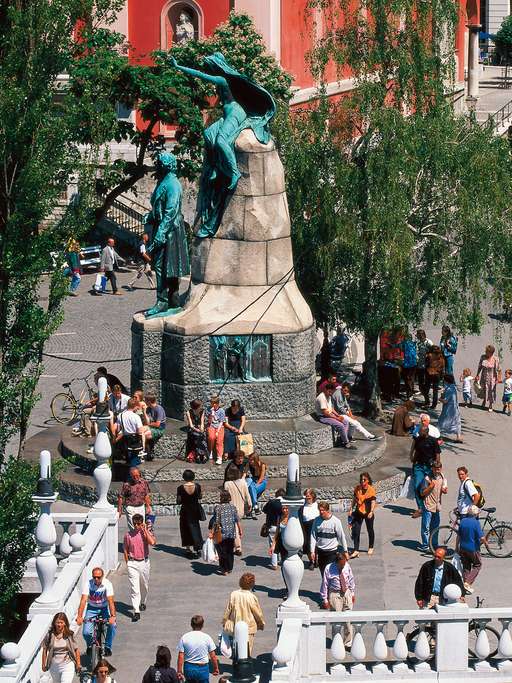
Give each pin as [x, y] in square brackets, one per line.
[363, 509]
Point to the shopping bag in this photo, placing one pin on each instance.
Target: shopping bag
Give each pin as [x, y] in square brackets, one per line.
[209, 554]
[225, 647]
[479, 389]
[97, 283]
[457, 563]
[245, 443]
[408, 489]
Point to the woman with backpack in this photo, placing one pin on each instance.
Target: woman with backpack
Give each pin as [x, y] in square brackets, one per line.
[161, 671]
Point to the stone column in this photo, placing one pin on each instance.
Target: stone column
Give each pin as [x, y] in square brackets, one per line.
[473, 64]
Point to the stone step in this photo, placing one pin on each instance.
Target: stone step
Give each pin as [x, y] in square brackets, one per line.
[271, 437]
[332, 474]
[332, 462]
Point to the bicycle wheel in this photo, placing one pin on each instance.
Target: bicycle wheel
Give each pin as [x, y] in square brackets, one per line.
[412, 637]
[63, 407]
[446, 537]
[492, 635]
[95, 655]
[499, 540]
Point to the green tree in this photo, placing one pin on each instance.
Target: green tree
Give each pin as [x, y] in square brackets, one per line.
[400, 206]
[40, 134]
[504, 38]
[162, 94]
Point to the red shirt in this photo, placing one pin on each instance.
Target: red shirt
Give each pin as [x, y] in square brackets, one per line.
[136, 545]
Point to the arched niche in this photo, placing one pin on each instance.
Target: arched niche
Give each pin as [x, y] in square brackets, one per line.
[170, 19]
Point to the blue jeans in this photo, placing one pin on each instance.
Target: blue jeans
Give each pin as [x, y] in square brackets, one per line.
[75, 279]
[449, 360]
[88, 625]
[196, 673]
[419, 472]
[255, 490]
[429, 521]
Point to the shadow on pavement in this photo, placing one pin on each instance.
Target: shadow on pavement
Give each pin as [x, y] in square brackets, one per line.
[398, 509]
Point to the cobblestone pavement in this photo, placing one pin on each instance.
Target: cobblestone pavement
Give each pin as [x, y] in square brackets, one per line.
[94, 328]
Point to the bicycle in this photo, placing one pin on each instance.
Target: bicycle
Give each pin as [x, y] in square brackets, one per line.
[99, 633]
[65, 406]
[474, 629]
[498, 539]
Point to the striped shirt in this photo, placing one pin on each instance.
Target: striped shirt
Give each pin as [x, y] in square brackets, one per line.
[334, 582]
[327, 534]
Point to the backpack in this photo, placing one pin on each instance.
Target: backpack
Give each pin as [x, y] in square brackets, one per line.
[481, 500]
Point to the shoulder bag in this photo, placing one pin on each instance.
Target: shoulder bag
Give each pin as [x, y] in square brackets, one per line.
[217, 530]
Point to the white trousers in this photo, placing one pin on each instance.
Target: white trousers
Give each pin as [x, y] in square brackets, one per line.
[134, 510]
[63, 672]
[138, 576]
[357, 426]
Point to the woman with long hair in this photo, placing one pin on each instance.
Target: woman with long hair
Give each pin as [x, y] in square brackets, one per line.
[258, 481]
[449, 420]
[236, 485]
[161, 671]
[61, 656]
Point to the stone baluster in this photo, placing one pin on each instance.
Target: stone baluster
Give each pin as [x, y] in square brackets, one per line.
[102, 473]
[64, 546]
[422, 650]
[358, 650]
[505, 647]
[10, 653]
[338, 653]
[77, 542]
[482, 647]
[400, 649]
[242, 664]
[380, 650]
[293, 537]
[46, 535]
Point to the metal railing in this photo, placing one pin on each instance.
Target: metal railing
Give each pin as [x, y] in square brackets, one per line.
[126, 217]
[501, 116]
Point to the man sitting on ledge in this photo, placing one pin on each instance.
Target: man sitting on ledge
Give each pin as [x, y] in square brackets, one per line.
[326, 414]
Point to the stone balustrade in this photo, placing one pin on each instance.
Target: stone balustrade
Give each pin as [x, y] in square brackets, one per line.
[92, 543]
[450, 643]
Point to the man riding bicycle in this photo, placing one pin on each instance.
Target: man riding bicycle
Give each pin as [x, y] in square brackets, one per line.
[98, 596]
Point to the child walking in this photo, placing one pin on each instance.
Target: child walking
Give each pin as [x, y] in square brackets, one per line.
[507, 392]
[467, 380]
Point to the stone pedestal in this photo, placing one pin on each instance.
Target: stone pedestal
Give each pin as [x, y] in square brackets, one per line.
[242, 284]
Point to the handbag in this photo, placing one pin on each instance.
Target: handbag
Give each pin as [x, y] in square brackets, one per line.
[245, 443]
[217, 533]
[479, 390]
[225, 647]
[264, 530]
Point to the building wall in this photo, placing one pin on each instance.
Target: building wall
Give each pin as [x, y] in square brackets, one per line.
[496, 11]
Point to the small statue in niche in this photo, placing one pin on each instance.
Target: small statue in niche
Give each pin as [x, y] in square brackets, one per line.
[184, 30]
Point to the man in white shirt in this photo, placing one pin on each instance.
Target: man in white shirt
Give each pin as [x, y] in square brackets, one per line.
[468, 495]
[195, 650]
[98, 597]
[327, 415]
[117, 401]
[145, 264]
[130, 428]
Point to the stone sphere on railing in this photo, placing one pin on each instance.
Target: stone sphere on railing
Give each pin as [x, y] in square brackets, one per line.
[77, 542]
[10, 652]
[452, 593]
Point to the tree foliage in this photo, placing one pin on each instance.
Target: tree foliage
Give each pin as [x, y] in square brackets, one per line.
[387, 188]
[503, 38]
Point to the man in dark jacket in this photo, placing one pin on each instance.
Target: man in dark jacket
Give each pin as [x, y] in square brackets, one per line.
[432, 579]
